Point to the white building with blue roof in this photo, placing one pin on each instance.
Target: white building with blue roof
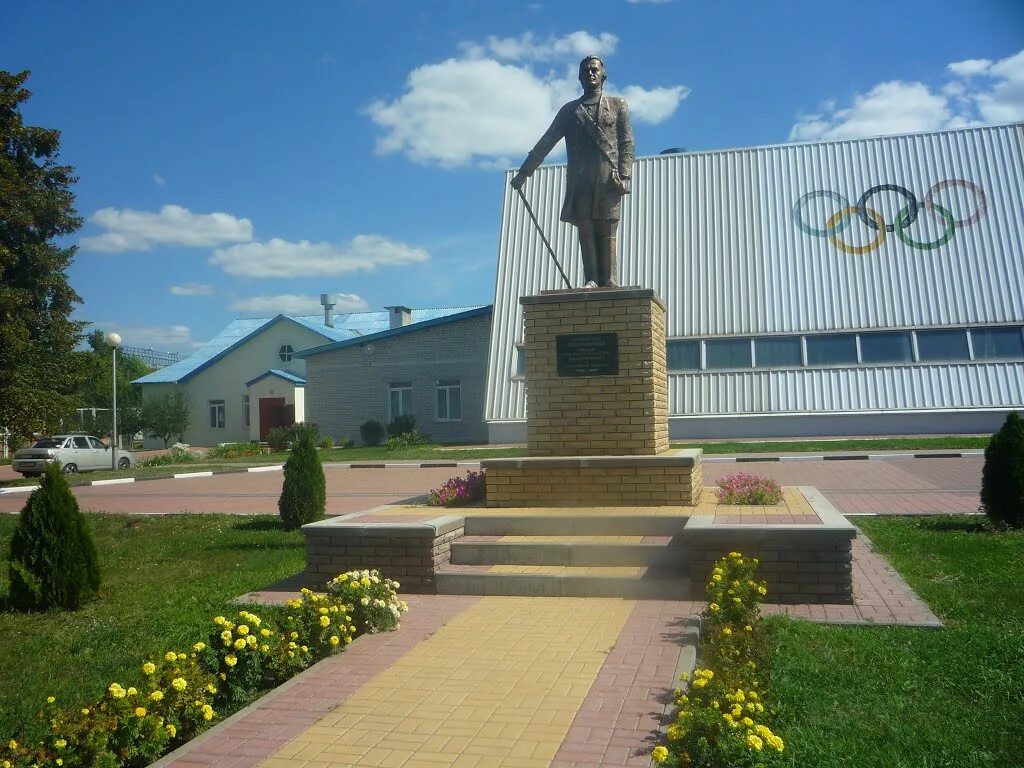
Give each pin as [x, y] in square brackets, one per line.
[250, 377]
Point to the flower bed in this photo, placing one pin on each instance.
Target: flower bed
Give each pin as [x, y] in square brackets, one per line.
[460, 490]
[182, 693]
[741, 488]
[721, 720]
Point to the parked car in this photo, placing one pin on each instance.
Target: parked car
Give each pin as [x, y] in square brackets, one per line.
[73, 453]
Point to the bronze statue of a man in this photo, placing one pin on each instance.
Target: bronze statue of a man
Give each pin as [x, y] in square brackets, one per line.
[599, 145]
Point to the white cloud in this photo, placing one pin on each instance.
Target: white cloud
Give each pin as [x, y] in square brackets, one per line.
[528, 47]
[893, 107]
[982, 92]
[281, 258]
[969, 67]
[159, 180]
[1004, 102]
[648, 2]
[653, 105]
[166, 338]
[480, 109]
[297, 304]
[130, 230]
[192, 289]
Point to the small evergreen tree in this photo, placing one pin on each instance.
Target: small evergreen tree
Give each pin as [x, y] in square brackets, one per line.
[1002, 478]
[53, 561]
[304, 493]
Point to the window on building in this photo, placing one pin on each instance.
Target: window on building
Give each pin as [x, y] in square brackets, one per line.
[217, 414]
[683, 355]
[245, 410]
[832, 349]
[726, 353]
[886, 347]
[942, 345]
[778, 352]
[285, 353]
[520, 370]
[449, 400]
[997, 343]
[399, 399]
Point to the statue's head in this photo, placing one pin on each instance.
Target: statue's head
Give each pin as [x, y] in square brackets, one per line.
[592, 72]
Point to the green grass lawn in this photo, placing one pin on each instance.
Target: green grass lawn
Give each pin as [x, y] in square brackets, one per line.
[903, 697]
[164, 579]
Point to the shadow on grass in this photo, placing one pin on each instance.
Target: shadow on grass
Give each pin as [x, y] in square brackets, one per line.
[257, 546]
[964, 525]
[265, 524]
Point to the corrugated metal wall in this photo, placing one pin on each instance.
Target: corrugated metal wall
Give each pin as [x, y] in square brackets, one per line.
[714, 234]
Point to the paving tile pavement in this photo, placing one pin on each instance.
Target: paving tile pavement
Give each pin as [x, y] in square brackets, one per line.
[505, 681]
[893, 486]
[248, 737]
[499, 685]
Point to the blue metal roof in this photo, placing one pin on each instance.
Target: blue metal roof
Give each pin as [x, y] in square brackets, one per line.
[296, 380]
[347, 326]
[390, 332]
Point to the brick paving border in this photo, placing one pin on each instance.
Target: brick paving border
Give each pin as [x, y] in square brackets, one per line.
[620, 720]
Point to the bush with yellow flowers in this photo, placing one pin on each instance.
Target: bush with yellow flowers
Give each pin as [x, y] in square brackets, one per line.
[318, 625]
[720, 718]
[372, 600]
[181, 693]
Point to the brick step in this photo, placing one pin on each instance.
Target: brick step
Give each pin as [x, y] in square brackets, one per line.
[580, 551]
[634, 583]
[594, 523]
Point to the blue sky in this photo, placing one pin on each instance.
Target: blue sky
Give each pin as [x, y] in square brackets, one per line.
[240, 158]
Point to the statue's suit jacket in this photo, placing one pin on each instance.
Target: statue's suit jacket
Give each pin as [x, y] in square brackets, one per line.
[590, 191]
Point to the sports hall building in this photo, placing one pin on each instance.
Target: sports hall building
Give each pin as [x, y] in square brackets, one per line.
[863, 287]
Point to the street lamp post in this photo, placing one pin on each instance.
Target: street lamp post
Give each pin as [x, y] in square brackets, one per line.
[114, 341]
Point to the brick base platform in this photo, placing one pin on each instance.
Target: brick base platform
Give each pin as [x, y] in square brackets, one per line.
[671, 478]
[808, 561]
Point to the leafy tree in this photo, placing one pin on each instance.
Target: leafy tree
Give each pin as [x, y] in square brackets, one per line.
[53, 561]
[1002, 477]
[166, 416]
[38, 371]
[304, 492]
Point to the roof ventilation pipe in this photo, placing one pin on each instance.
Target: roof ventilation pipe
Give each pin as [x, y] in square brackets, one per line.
[328, 300]
[399, 316]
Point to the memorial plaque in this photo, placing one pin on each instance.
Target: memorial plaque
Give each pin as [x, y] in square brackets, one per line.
[588, 354]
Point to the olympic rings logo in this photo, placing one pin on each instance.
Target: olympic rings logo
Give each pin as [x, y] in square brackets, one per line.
[876, 222]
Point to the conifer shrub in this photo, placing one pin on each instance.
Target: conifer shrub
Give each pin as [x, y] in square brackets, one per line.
[371, 432]
[1002, 478]
[53, 562]
[304, 493]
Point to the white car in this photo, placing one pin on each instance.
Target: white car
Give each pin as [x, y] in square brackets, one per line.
[73, 453]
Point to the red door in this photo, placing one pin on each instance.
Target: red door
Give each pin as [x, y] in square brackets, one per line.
[270, 414]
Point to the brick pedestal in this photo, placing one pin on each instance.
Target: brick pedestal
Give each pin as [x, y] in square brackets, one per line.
[613, 415]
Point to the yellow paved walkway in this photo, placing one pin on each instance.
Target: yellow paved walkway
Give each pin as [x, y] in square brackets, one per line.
[497, 686]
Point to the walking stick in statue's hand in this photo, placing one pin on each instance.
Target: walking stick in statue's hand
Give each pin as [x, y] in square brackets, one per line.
[543, 237]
